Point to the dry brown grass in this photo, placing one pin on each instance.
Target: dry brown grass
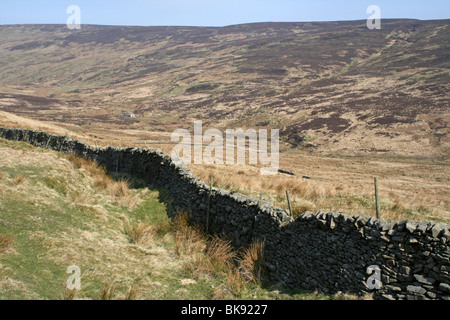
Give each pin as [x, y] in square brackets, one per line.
[102, 181]
[205, 256]
[5, 243]
[19, 179]
[409, 188]
[215, 257]
[107, 292]
[187, 239]
[119, 189]
[142, 234]
[252, 263]
[68, 294]
[234, 281]
[122, 195]
[249, 268]
[134, 292]
[90, 166]
[82, 199]
[220, 254]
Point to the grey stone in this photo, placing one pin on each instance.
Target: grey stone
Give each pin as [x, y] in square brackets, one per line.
[415, 297]
[424, 280]
[416, 290]
[432, 295]
[412, 240]
[446, 232]
[444, 287]
[362, 221]
[393, 288]
[445, 269]
[411, 226]
[422, 227]
[437, 229]
[405, 270]
[388, 226]
[271, 267]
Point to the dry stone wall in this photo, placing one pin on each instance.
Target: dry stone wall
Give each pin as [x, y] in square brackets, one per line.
[325, 251]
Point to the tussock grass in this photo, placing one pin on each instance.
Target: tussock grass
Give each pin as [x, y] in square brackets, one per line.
[102, 181]
[143, 233]
[68, 294]
[214, 256]
[121, 193]
[235, 282]
[220, 254]
[252, 263]
[187, 239]
[90, 166]
[5, 242]
[134, 292]
[82, 199]
[19, 179]
[240, 273]
[119, 189]
[107, 292]
[140, 234]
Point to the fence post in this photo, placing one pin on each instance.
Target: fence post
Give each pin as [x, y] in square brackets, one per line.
[259, 201]
[61, 143]
[289, 202]
[377, 205]
[48, 141]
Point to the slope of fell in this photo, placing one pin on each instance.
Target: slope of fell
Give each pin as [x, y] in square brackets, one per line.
[331, 87]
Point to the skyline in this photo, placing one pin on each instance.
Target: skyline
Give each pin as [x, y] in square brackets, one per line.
[214, 12]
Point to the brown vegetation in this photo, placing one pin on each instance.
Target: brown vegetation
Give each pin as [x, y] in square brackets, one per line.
[215, 256]
[5, 243]
[19, 179]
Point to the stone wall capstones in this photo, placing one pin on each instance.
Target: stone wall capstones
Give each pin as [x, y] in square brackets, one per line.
[325, 251]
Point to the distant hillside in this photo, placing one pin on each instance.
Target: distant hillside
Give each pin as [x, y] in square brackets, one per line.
[328, 86]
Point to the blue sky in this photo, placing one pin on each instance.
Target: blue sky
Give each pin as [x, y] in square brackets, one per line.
[213, 12]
